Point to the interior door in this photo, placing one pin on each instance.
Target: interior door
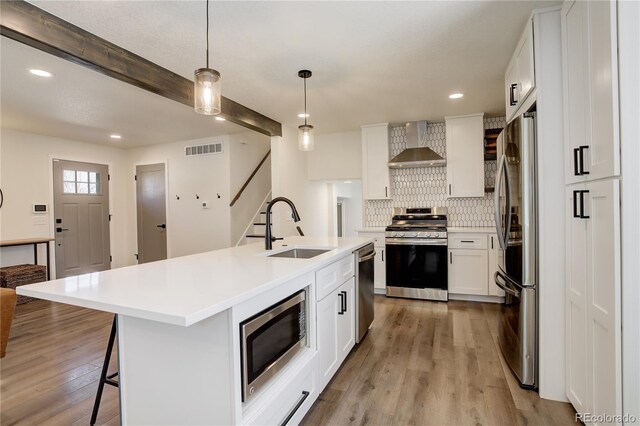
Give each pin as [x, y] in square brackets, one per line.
[151, 212]
[81, 211]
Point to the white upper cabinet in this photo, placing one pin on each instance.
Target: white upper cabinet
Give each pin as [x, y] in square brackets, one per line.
[465, 156]
[520, 76]
[589, 48]
[375, 158]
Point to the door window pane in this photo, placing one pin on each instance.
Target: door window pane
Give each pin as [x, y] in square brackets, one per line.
[69, 187]
[69, 175]
[81, 182]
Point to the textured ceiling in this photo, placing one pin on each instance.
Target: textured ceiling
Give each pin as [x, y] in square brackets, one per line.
[80, 104]
[372, 61]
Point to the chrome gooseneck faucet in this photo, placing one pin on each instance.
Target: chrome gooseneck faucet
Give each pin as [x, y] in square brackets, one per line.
[268, 238]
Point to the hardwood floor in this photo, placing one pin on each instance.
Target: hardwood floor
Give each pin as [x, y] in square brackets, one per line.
[428, 363]
[422, 363]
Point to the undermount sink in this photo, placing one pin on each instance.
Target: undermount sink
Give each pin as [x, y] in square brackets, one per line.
[300, 253]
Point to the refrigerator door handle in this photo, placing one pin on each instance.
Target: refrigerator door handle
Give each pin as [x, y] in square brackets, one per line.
[504, 286]
[502, 170]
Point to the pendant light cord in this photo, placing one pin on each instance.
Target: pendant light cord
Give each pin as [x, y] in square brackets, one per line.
[207, 33]
[305, 101]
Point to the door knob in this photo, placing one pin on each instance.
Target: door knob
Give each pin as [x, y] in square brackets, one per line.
[61, 229]
[163, 226]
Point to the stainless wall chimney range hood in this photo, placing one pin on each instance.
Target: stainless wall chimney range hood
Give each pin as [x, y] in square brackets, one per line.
[416, 154]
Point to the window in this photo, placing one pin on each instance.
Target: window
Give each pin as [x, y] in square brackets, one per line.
[80, 182]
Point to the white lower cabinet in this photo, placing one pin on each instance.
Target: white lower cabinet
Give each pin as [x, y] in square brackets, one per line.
[468, 270]
[336, 330]
[593, 312]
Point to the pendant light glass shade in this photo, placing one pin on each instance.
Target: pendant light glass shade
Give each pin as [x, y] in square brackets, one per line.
[207, 91]
[305, 137]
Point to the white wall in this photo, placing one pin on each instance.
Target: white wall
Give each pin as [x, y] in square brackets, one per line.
[336, 156]
[629, 69]
[190, 228]
[26, 176]
[246, 150]
[289, 179]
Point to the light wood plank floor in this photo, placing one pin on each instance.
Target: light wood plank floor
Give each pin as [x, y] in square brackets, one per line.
[422, 363]
[430, 363]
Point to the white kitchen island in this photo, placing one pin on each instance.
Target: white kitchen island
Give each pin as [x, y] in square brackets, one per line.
[178, 329]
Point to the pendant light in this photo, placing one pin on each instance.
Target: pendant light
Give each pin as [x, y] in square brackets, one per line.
[207, 85]
[305, 131]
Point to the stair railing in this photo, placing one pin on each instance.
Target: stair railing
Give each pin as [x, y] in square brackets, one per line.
[255, 171]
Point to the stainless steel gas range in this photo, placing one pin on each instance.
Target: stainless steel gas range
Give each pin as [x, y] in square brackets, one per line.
[416, 254]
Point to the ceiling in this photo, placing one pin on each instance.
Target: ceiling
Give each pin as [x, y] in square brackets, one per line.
[80, 104]
[372, 61]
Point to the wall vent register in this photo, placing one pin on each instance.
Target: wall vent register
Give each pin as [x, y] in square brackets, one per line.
[207, 149]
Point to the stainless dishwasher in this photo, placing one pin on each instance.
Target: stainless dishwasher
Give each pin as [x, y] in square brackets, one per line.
[364, 290]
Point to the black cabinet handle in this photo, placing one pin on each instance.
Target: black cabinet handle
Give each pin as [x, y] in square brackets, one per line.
[467, 241]
[386, 191]
[344, 300]
[163, 226]
[383, 255]
[451, 258]
[582, 215]
[512, 94]
[581, 150]
[575, 204]
[576, 164]
[492, 243]
[286, 420]
[341, 311]
[449, 189]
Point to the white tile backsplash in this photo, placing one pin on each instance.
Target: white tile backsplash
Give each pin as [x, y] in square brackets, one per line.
[427, 186]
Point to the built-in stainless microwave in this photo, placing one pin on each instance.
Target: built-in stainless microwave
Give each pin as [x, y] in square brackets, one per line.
[270, 339]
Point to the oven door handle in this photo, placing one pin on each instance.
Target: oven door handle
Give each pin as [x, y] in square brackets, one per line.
[414, 242]
[504, 285]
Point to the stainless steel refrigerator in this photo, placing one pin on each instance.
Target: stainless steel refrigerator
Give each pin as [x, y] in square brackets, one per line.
[516, 224]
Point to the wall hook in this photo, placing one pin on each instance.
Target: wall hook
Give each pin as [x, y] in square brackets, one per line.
[177, 197]
[218, 195]
[197, 197]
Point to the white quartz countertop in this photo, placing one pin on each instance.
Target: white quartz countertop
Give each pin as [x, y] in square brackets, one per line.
[471, 229]
[185, 290]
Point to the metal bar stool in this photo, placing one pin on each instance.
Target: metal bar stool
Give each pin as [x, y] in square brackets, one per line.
[105, 379]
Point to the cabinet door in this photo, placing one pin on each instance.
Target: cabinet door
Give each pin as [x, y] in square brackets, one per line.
[604, 329]
[576, 95]
[511, 89]
[375, 159]
[347, 320]
[380, 270]
[465, 156]
[328, 351]
[495, 255]
[602, 159]
[468, 270]
[576, 301]
[589, 43]
[524, 59]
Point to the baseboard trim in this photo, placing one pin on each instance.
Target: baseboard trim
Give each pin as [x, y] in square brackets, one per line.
[382, 291]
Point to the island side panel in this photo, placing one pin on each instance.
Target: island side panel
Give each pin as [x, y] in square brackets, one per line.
[172, 375]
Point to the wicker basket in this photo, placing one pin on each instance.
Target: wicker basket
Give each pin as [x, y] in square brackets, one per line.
[14, 276]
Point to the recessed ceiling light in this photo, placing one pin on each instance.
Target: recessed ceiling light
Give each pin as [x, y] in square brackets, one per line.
[456, 96]
[115, 136]
[220, 118]
[303, 115]
[41, 73]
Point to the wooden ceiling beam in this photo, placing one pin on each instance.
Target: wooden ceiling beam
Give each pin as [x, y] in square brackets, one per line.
[28, 24]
